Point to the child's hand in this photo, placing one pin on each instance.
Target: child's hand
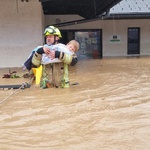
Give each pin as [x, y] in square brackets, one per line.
[51, 54]
[46, 50]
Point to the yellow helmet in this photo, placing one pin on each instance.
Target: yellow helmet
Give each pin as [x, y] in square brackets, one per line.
[51, 30]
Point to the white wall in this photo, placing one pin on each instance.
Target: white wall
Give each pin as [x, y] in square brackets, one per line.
[20, 30]
[112, 27]
[52, 19]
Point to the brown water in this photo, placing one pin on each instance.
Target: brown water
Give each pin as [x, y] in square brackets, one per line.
[108, 110]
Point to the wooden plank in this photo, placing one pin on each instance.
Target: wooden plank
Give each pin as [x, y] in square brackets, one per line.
[17, 86]
[57, 74]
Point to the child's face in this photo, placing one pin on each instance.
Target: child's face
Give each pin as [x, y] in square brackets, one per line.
[71, 47]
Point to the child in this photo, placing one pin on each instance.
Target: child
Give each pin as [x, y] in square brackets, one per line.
[55, 53]
[59, 51]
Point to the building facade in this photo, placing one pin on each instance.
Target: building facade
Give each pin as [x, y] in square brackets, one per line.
[22, 25]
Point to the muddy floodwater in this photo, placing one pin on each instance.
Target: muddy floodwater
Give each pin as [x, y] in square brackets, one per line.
[108, 110]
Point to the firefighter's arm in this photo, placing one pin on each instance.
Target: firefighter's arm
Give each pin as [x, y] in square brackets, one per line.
[66, 58]
[37, 56]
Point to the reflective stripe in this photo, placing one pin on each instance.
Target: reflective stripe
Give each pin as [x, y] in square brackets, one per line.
[36, 59]
[67, 59]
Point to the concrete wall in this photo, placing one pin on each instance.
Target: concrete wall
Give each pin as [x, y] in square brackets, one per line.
[21, 30]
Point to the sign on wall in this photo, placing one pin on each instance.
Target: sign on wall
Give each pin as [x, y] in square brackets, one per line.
[115, 38]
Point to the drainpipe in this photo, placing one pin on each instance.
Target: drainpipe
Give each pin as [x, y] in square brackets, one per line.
[106, 16]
